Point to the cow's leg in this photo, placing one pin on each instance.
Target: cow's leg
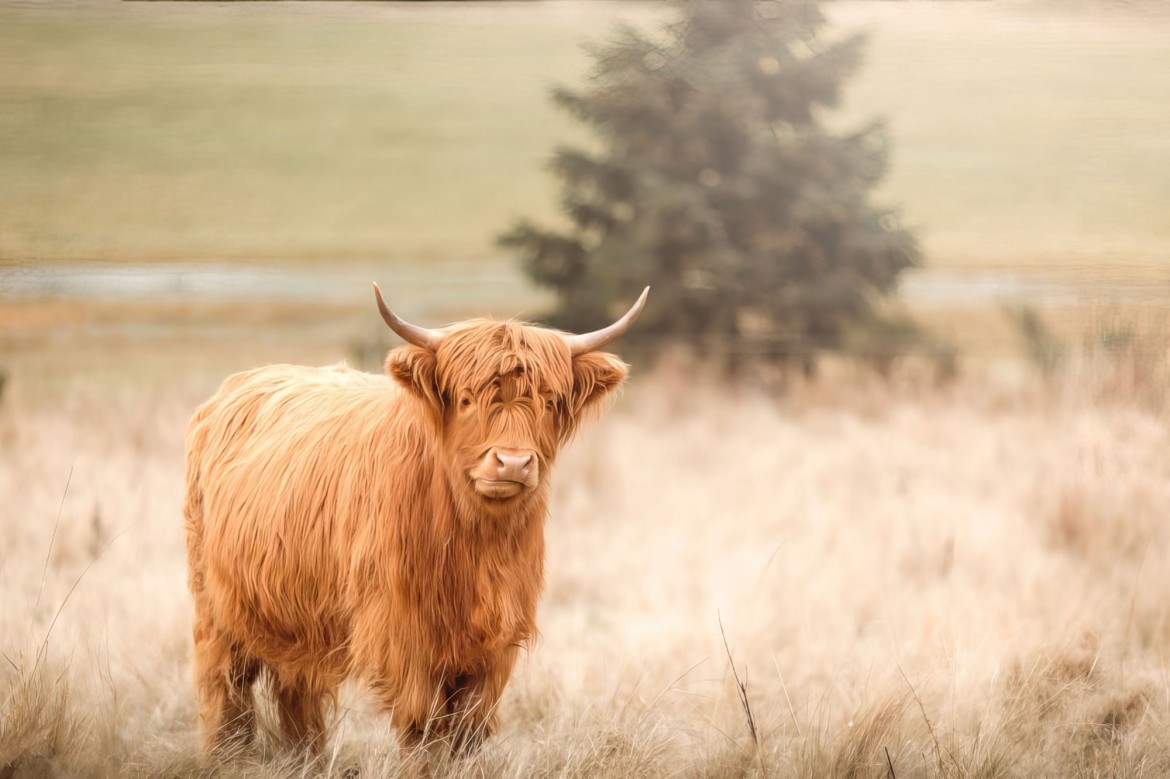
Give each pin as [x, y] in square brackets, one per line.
[416, 705]
[302, 716]
[460, 712]
[472, 702]
[413, 734]
[223, 679]
[419, 727]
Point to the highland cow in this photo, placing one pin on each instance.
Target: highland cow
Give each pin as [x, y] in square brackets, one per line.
[390, 529]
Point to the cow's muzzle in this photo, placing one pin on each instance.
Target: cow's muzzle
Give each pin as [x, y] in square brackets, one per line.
[505, 473]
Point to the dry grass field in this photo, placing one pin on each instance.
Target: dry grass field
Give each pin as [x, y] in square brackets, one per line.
[908, 581]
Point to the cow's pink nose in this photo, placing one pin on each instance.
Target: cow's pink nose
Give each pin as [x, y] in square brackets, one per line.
[515, 465]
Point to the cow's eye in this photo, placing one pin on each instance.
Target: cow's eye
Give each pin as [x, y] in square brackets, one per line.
[465, 401]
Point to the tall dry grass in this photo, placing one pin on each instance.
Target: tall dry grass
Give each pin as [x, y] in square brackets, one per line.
[968, 581]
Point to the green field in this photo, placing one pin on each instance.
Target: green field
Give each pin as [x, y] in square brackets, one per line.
[1024, 134]
[310, 132]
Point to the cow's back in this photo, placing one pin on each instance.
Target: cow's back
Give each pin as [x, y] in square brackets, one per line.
[280, 460]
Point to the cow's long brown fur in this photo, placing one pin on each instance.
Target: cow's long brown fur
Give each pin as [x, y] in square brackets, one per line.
[333, 531]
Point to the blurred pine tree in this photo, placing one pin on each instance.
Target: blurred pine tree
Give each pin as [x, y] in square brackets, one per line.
[717, 182]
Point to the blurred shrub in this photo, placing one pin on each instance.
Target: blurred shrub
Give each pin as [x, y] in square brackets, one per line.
[1044, 349]
[716, 181]
[1127, 358]
[1123, 355]
[880, 344]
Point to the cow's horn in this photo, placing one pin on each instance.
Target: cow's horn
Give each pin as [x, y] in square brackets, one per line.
[419, 336]
[591, 342]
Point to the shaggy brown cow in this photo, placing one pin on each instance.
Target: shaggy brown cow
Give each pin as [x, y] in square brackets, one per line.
[346, 525]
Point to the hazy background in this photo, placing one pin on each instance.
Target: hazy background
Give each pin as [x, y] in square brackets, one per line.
[164, 162]
[970, 574]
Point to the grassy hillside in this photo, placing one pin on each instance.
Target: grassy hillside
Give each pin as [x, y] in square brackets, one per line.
[417, 131]
[158, 131]
[1025, 133]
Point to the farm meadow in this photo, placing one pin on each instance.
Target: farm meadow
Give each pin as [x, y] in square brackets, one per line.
[910, 575]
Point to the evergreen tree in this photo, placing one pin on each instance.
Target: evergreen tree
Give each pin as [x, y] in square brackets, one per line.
[717, 182]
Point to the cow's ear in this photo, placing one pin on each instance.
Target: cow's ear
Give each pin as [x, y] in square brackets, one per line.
[595, 375]
[414, 368]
